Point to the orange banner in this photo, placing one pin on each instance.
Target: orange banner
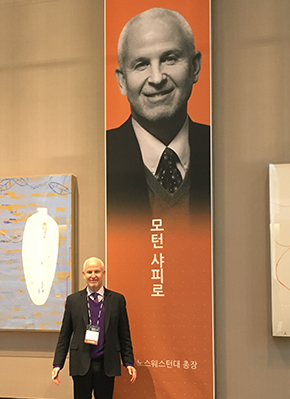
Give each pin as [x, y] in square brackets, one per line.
[159, 240]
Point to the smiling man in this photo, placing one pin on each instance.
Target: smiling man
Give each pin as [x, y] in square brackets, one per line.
[95, 328]
[158, 161]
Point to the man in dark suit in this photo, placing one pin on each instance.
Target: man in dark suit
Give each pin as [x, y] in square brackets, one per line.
[95, 329]
[158, 161]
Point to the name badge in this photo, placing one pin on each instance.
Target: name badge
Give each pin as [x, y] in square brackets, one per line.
[92, 335]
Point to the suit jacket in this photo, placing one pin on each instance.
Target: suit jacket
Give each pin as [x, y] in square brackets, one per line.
[126, 181]
[72, 334]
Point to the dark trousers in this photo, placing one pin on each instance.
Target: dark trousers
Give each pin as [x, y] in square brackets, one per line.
[95, 380]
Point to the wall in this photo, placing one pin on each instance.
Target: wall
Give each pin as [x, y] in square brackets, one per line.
[251, 118]
[51, 121]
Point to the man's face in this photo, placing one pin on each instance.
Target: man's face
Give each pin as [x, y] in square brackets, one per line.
[159, 70]
[94, 274]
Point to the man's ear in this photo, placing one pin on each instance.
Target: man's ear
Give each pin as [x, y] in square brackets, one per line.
[121, 81]
[196, 62]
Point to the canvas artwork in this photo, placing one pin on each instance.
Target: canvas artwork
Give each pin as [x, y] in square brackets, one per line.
[36, 248]
[279, 178]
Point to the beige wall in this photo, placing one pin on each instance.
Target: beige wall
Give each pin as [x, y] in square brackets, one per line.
[51, 121]
[251, 118]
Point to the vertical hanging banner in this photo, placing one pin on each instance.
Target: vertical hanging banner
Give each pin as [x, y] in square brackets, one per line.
[159, 228]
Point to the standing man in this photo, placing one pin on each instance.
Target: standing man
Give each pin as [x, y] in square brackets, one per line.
[159, 159]
[95, 328]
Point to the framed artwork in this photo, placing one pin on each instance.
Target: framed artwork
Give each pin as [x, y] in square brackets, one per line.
[279, 178]
[37, 249]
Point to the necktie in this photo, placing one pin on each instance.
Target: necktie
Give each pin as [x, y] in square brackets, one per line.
[167, 173]
[95, 296]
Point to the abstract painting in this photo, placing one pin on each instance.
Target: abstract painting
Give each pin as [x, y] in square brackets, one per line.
[279, 178]
[36, 250]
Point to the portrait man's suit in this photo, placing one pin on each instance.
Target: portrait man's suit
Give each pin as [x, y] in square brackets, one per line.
[126, 179]
[72, 334]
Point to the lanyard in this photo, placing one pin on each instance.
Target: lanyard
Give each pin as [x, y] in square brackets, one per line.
[100, 311]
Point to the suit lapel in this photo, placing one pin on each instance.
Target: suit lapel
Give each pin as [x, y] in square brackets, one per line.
[126, 179]
[135, 178]
[108, 307]
[83, 302]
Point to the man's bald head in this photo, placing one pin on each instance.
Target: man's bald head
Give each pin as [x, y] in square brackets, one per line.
[145, 18]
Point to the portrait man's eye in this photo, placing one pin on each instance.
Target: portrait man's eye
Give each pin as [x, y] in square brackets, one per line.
[140, 66]
[171, 59]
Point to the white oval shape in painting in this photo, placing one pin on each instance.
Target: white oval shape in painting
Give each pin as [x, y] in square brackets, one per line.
[39, 254]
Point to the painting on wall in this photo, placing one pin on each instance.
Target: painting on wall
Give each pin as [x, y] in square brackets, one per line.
[36, 250]
[279, 178]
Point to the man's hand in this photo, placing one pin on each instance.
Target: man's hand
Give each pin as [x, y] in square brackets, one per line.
[55, 375]
[133, 373]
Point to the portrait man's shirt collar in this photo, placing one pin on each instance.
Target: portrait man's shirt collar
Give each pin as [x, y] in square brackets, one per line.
[152, 149]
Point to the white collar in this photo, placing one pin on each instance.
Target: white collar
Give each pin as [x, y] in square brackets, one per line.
[152, 149]
[100, 292]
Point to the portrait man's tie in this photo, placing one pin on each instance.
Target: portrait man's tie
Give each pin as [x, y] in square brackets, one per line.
[167, 172]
